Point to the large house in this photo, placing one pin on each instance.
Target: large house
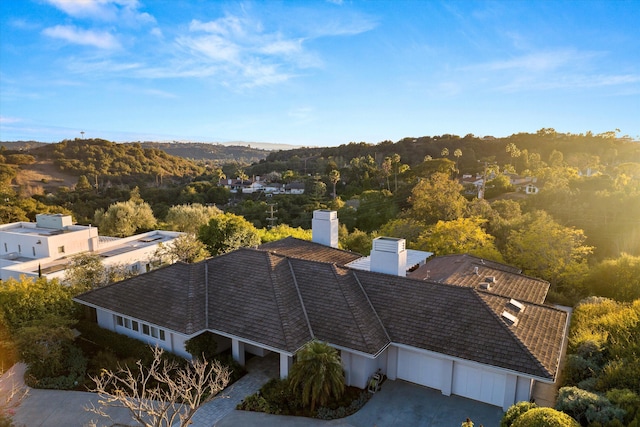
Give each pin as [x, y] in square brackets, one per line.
[457, 323]
[44, 248]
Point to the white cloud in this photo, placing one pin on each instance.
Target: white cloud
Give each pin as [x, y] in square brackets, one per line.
[539, 61]
[124, 11]
[7, 120]
[99, 39]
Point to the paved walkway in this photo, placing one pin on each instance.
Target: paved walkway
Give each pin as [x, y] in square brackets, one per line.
[260, 370]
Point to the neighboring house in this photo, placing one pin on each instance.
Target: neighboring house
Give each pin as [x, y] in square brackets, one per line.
[459, 324]
[46, 246]
[294, 188]
[531, 189]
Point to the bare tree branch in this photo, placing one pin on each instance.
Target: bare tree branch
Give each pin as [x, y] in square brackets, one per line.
[162, 394]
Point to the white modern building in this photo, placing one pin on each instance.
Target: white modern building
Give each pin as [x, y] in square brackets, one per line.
[44, 248]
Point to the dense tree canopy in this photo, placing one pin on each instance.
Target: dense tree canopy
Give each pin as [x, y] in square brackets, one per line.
[189, 218]
[437, 198]
[543, 248]
[227, 232]
[462, 235]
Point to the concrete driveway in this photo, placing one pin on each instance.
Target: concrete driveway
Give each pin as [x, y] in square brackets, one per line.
[399, 403]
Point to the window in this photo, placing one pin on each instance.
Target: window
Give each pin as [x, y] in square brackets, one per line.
[154, 332]
[19, 248]
[119, 321]
[33, 248]
[6, 249]
[161, 334]
[135, 326]
[127, 323]
[145, 329]
[60, 249]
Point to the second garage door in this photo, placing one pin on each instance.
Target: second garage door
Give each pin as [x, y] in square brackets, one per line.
[479, 384]
[419, 368]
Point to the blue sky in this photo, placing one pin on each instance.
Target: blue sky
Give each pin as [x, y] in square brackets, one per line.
[316, 72]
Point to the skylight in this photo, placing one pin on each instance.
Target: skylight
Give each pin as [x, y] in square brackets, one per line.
[509, 318]
[516, 305]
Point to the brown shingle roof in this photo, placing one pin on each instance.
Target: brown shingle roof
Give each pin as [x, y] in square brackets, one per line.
[284, 302]
[170, 297]
[297, 248]
[459, 322]
[460, 270]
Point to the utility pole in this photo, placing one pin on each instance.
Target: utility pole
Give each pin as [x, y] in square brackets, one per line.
[271, 218]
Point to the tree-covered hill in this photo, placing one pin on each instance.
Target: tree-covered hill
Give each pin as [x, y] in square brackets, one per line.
[580, 150]
[117, 162]
[217, 153]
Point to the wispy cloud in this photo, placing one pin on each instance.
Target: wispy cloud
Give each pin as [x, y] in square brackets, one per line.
[540, 61]
[7, 120]
[242, 52]
[543, 70]
[123, 11]
[72, 34]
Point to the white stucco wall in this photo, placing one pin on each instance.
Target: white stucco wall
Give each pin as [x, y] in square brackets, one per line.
[358, 368]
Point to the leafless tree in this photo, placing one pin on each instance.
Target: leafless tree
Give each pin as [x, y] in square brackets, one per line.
[12, 392]
[161, 395]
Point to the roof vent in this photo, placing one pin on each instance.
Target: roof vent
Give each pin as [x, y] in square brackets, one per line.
[516, 305]
[475, 270]
[490, 279]
[485, 286]
[509, 318]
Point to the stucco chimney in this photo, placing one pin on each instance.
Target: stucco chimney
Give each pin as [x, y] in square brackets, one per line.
[324, 227]
[389, 255]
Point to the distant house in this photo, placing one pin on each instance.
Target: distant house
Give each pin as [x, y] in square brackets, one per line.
[256, 185]
[531, 189]
[459, 324]
[46, 246]
[294, 188]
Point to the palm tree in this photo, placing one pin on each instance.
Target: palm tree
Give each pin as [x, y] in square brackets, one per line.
[334, 177]
[457, 153]
[317, 374]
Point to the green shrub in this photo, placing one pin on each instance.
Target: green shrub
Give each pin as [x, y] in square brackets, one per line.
[203, 344]
[515, 411]
[627, 400]
[578, 369]
[587, 407]
[121, 345]
[254, 403]
[545, 417]
[71, 375]
[344, 411]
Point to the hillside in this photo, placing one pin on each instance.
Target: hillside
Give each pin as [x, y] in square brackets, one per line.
[217, 153]
[101, 159]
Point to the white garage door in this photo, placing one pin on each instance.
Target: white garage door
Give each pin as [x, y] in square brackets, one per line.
[419, 368]
[478, 384]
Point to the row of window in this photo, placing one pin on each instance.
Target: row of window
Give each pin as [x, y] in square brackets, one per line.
[133, 325]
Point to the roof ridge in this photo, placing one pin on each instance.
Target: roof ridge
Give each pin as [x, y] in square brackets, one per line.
[305, 241]
[304, 309]
[506, 328]
[272, 271]
[348, 301]
[355, 275]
